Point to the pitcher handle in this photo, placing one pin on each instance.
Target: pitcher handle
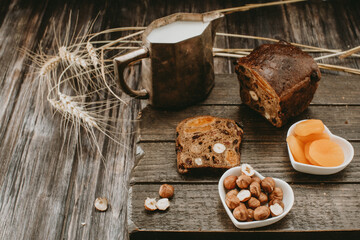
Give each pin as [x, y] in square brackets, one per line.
[120, 63]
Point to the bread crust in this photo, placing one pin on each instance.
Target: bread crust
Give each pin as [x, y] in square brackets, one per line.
[207, 142]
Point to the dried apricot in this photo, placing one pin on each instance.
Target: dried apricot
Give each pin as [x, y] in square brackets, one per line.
[308, 127]
[297, 149]
[326, 153]
[313, 137]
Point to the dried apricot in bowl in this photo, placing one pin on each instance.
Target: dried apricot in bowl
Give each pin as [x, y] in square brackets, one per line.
[297, 149]
[311, 126]
[313, 137]
[326, 153]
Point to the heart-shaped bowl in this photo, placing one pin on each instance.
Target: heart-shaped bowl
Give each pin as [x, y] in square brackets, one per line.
[318, 170]
[288, 200]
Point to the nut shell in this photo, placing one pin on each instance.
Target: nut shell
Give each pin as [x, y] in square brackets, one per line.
[250, 214]
[230, 182]
[255, 189]
[276, 194]
[166, 191]
[268, 184]
[232, 201]
[253, 203]
[243, 181]
[241, 213]
[232, 192]
[263, 198]
[261, 213]
[256, 179]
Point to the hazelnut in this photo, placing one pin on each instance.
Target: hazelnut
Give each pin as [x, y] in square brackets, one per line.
[255, 189]
[101, 204]
[150, 204]
[232, 192]
[253, 203]
[255, 179]
[276, 201]
[232, 201]
[276, 194]
[244, 195]
[250, 214]
[247, 170]
[166, 191]
[243, 181]
[276, 209]
[253, 95]
[241, 213]
[219, 148]
[261, 213]
[268, 184]
[230, 182]
[263, 198]
[163, 204]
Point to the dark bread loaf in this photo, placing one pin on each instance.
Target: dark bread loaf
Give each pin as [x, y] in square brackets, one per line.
[207, 141]
[278, 81]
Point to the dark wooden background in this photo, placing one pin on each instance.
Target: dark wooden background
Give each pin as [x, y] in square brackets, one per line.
[48, 193]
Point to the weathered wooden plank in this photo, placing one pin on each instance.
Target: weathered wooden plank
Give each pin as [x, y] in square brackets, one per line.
[333, 90]
[269, 158]
[47, 188]
[197, 207]
[341, 120]
[317, 23]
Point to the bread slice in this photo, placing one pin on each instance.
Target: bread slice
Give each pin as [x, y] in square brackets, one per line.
[206, 141]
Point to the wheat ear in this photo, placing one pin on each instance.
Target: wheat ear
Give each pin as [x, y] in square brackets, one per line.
[71, 57]
[72, 109]
[49, 65]
[92, 53]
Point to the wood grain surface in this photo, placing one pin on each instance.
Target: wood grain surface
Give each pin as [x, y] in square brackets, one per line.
[47, 192]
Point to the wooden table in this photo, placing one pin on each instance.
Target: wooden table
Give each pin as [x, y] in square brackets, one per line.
[48, 193]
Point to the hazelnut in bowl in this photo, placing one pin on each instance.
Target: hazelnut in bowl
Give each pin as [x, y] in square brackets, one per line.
[313, 149]
[254, 200]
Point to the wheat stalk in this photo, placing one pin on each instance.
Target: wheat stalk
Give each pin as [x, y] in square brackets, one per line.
[257, 5]
[350, 52]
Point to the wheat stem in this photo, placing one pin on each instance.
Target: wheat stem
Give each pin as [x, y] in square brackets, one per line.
[350, 52]
[258, 5]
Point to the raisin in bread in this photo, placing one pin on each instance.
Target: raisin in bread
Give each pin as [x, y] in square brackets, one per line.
[278, 81]
[207, 141]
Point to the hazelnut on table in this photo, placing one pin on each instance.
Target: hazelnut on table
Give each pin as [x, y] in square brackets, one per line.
[166, 191]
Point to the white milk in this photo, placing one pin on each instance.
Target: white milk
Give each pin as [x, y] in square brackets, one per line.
[177, 31]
